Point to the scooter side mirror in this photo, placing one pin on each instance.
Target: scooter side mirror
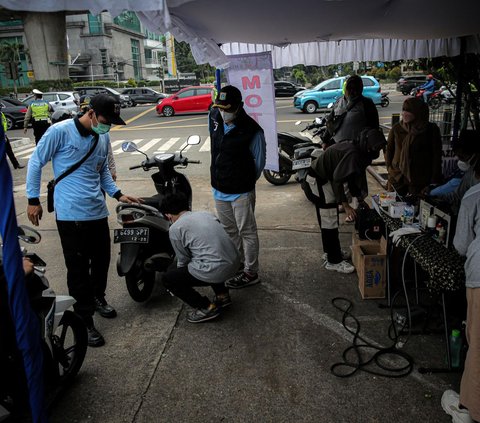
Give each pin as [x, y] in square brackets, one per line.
[28, 235]
[129, 147]
[193, 140]
[298, 122]
[330, 105]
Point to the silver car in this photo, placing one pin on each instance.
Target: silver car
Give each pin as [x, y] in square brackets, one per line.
[68, 100]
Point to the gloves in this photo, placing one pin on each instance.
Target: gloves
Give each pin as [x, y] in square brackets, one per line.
[396, 235]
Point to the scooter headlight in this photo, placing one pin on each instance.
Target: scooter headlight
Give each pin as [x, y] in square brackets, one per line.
[129, 215]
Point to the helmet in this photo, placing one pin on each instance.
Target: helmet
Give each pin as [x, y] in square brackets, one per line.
[61, 114]
[38, 92]
[430, 76]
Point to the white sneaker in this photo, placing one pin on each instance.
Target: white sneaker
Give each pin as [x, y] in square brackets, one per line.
[346, 255]
[342, 267]
[450, 404]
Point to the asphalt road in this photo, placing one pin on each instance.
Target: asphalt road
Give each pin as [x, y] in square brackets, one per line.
[268, 358]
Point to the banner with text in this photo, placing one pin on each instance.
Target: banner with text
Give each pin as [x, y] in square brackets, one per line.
[252, 74]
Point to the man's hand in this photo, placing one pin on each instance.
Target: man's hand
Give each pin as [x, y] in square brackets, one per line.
[27, 266]
[114, 176]
[34, 214]
[129, 199]
[349, 211]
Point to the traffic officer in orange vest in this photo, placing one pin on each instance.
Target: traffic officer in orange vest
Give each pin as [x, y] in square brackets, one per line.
[38, 113]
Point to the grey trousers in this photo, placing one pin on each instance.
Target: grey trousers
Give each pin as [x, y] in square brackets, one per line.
[238, 219]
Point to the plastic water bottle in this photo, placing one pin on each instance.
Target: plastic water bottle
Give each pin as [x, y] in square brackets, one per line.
[455, 348]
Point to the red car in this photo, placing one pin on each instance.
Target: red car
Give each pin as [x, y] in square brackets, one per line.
[187, 100]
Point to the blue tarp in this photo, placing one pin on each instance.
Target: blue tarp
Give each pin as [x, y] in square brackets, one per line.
[26, 324]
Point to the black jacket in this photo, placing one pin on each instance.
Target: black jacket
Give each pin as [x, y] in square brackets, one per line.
[232, 168]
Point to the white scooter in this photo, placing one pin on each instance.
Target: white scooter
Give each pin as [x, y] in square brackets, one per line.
[63, 333]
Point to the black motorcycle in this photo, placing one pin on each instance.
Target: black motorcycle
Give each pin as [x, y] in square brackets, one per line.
[385, 100]
[145, 248]
[286, 149]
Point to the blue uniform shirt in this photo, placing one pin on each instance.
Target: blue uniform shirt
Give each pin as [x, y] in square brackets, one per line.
[258, 149]
[78, 196]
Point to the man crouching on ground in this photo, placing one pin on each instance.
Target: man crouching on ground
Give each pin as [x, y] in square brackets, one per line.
[206, 256]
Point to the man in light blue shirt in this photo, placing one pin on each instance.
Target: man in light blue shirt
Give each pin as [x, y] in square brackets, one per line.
[80, 208]
[238, 158]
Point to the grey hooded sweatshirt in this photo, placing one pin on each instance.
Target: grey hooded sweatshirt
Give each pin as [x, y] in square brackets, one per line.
[467, 235]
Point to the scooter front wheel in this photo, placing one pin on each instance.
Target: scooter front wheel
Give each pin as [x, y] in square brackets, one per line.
[140, 284]
[276, 178]
[385, 102]
[69, 345]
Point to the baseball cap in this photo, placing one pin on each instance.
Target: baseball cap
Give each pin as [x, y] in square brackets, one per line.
[229, 97]
[105, 105]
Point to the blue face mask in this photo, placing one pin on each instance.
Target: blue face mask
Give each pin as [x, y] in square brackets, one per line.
[101, 128]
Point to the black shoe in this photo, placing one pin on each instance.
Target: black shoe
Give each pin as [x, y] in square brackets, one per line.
[19, 166]
[104, 309]
[95, 338]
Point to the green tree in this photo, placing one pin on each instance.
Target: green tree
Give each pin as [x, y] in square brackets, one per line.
[10, 56]
[186, 63]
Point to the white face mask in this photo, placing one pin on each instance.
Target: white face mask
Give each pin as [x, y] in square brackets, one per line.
[463, 166]
[227, 116]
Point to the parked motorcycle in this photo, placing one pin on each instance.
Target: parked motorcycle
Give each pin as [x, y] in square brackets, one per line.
[64, 337]
[145, 248]
[286, 148]
[385, 100]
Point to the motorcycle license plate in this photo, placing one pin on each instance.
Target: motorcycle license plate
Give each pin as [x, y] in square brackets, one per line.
[302, 163]
[131, 235]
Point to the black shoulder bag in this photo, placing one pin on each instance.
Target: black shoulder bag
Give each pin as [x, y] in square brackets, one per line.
[53, 182]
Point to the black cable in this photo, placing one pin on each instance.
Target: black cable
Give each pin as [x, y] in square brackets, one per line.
[357, 347]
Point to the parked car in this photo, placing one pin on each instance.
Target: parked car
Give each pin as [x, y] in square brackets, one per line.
[328, 91]
[143, 95]
[407, 83]
[187, 100]
[123, 99]
[286, 89]
[68, 100]
[14, 111]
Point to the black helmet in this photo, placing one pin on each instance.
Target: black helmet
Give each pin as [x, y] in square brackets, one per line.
[61, 114]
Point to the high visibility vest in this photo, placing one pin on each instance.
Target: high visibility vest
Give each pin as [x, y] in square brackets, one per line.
[4, 122]
[214, 94]
[40, 110]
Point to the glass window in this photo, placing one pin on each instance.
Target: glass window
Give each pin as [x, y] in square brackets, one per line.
[367, 82]
[50, 97]
[63, 96]
[203, 91]
[332, 85]
[187, 93]
[136, 58]
[146, 92]
[95, 24]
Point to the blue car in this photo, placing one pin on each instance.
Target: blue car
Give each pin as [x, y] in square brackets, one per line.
[330, 90]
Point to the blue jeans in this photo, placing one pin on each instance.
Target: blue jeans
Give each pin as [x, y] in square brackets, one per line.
[425, 95]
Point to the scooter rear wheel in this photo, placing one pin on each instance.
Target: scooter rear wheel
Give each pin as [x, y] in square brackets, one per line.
[385, 102]
[70, 343]
[276, 178]
[140, 285]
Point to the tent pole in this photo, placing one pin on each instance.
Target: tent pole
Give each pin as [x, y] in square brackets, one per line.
[218, 78]
[460, 88]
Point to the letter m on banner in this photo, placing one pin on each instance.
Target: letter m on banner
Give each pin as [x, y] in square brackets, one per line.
[252, 74]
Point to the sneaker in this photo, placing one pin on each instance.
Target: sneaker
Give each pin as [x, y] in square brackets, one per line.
[200, 315]
[242, 281]
[450, 404]
[95, 338]
[346, 255]
[222, 300]
[342, 267]
[104, 309]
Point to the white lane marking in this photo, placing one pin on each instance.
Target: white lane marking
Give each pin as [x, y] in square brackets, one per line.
[115, 143]
[24, 152]
[149, 145]
[169, 144]
[206, 145]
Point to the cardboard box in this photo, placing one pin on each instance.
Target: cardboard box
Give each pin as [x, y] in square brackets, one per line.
[371, 261]
[356, 241]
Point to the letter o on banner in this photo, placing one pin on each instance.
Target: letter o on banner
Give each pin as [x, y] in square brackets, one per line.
[253, 100]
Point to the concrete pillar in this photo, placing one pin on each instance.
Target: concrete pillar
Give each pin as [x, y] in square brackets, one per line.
[46, 36]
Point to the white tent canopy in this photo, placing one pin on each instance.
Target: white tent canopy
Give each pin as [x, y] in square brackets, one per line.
[313, 24]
